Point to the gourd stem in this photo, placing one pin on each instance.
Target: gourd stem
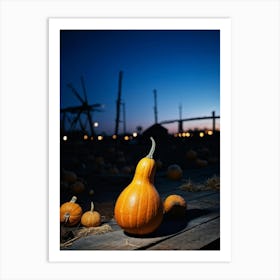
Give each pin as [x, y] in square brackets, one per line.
[66, 217]
[73, 199]
[91, 207]
[151, 152]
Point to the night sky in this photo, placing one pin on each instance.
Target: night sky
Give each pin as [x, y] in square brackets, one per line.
[182, 65]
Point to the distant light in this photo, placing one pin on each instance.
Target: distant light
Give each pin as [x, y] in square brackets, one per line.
[188, 134]
[95, 124]
[91, 138]
[64, 138]
[126, 138]
[210, 132]
[201, 134]
[134, 134]
[100, 137]
[114, 136]
[85, 137]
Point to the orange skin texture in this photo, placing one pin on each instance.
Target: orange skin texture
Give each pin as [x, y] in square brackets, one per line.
[69, 177]
[91, 219]
[175, 206]
[172, 200]
[174, 172]
[78, 187]
[139, 209]
[74, 211]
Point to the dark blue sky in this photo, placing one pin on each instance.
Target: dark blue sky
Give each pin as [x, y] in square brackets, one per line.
[182, 65]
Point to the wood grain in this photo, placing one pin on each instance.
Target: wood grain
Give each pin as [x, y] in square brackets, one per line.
[200, 227]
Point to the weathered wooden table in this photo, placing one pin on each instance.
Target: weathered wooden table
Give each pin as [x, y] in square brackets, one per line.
[199, 230]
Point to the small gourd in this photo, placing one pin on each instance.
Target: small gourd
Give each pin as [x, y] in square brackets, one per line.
[174, 172]
[91, 218]
[78, 187]
[191, 155]
[139, 209]
[201, 163]
[69, 176]
[113, 170]
[70, 212]
[175, 206]
[126, 170]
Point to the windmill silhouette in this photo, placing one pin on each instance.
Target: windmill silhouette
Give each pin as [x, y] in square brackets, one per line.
[74, 114]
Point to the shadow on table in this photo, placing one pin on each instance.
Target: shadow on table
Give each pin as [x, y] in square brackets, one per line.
[171, 225]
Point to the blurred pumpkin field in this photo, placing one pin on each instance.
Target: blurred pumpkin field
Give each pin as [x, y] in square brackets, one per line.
[94, 174]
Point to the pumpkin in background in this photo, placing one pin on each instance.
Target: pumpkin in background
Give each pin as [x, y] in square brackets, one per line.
[78, 187]
[201, 163]
[70, 212]
[174, 172]
[191, 155]
[138, 209]
[91, 218]
[159, 164]
[175, 206]
[113, 170]
[100, 161]
[126, 170]
[69, 176]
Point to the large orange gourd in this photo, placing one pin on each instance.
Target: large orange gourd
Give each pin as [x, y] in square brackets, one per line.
[139, 208]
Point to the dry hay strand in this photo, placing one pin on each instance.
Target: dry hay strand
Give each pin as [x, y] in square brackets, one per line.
[84, 231]
[212, 183]
[191, 187]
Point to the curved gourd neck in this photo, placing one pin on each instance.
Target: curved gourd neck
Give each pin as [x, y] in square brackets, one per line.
[152, 150]
[145, 170]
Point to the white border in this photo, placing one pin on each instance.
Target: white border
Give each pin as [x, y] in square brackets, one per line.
[222, 24]
[255, 161]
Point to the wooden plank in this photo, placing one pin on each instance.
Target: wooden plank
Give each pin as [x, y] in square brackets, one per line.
[118, 240]
[190, 196]
[193, 239]
[199, 211]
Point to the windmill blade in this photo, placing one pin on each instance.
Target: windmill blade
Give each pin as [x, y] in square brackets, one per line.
[76, 93]
[68, 118]
[72, 110]
[90, 122]
[84, 89]
[83, 126]
[98, 110]
[65, 119]
[76, 119]
[96, 107]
